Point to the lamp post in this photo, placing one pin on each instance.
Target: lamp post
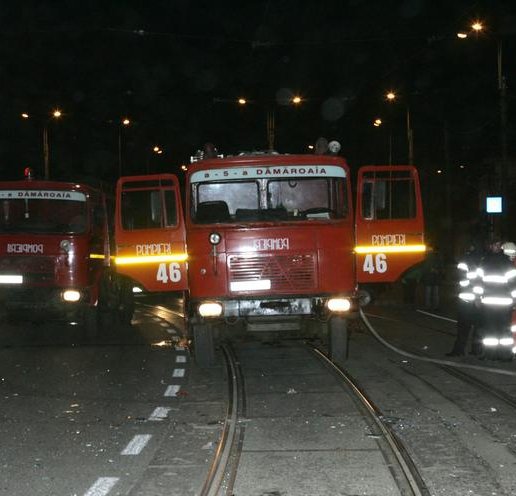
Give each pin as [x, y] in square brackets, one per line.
[155, 150]
[55, 115]
[477, 27]
[378, 122]
[294, 100]
[391, 96]
[123, 123]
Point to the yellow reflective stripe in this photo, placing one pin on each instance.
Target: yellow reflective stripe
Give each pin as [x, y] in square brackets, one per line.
[97, 256]
[173, 257]
[390, 249]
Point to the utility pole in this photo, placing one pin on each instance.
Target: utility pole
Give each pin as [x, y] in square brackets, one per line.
[502, 93]
[410, 139]
[46, 153]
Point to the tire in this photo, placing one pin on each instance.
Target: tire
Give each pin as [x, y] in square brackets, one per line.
[505, 355]
[203, 344]
[338, 339]
[91, 323]
[126, 308]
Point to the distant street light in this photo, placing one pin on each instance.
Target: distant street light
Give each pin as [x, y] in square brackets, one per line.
[295, 100]
[391, 96]
[54, 115]
[125, 122]
[156, 150]
[478, 27]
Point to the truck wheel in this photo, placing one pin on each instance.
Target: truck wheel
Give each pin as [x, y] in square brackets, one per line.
[338, 339]
[204, 347]
[505, 355]
[91, 323]
[126, 310]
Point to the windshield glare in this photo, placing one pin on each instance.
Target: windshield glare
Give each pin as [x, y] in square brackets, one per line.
[43, 216]
[289, 199]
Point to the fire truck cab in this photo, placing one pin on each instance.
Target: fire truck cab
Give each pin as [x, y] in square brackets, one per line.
[55, 255]
[275, 245]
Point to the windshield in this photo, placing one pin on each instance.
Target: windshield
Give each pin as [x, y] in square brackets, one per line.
[43, 211]
[276, 199]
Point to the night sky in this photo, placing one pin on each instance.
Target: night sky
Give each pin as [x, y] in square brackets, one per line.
[176, 68]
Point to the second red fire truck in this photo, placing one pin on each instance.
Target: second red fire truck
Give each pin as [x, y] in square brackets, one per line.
[270, 243]
[55, 256]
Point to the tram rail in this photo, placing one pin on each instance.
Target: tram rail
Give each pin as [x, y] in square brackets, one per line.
[224, 467]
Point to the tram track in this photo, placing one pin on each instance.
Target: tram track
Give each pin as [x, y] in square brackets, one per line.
[222, 478]
[455, 369]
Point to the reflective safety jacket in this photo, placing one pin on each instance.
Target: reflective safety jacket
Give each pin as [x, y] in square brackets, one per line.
[496, 281]
[468, 276]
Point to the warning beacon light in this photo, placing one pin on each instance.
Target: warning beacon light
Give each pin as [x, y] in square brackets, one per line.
[28, 173]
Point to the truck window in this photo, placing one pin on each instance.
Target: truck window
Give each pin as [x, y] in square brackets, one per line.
[269, 200]
[388, 195]
[315, 198]
[143, 209]
[52, 212]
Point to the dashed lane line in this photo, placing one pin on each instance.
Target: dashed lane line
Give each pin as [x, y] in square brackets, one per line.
[172, 390]
[136, 445]
[160, 413]
[102, 486]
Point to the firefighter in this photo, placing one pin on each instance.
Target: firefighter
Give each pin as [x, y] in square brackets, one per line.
[468, 313]
[497, 290]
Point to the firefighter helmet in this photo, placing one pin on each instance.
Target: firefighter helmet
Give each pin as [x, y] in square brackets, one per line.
[509, 249]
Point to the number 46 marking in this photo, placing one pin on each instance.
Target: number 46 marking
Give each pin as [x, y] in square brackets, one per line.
[171, 272]
[376, 264]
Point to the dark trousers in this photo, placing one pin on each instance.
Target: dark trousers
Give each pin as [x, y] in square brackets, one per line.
[467, 323]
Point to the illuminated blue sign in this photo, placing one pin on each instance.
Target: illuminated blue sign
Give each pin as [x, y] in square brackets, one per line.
[494, 205]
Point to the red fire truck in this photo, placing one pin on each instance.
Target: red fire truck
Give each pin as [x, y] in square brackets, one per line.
[55, 255]
[274, 244]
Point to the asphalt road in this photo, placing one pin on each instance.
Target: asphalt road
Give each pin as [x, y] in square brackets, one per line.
[130, 413]
[119, 415]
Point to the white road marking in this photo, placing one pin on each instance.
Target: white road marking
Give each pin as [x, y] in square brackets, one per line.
[172, 390]
[181, 359]
[171, 330]
[437, 316]
[102, 486]
[136, 444]
[163, 324]
[178, 373]
[159, 413]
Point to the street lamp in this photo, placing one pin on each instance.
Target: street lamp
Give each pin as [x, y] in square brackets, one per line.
[391, 96]
[54, 115]
[294, 100]
[156, 150]
[125, 122]
[378, 122]
[477, 27]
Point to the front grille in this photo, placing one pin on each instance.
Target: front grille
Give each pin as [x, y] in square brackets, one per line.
[34, 269]
[287, 273]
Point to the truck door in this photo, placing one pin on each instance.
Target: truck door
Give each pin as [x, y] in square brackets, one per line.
[389, 222]
[150, 232]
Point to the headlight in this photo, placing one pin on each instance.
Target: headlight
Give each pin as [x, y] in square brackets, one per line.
[338, 304]
[215, 238]
[71, 295]
[490, 341]
[506, 341]
[210, 309]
